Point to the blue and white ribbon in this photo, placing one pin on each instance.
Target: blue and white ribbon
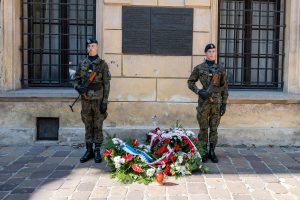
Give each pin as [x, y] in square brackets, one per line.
[129, 149]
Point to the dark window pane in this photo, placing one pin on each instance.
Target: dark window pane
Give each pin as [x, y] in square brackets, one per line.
[251, 35]
[54, 35]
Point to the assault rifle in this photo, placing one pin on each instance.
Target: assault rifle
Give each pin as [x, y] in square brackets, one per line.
[211, 87]
[84, 95]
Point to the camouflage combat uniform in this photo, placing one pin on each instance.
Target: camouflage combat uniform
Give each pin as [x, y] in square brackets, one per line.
[98, 92]
[208, 111]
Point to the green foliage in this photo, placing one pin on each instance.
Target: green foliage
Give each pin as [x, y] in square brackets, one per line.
[179, 164]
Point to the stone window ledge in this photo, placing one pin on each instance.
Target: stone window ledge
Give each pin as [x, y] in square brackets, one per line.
[39, 95]
[68, 94]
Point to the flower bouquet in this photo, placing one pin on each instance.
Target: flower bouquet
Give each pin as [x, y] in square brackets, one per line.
[175, 151]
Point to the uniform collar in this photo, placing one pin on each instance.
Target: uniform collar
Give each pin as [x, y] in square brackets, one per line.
[210, 62]
[96, 61]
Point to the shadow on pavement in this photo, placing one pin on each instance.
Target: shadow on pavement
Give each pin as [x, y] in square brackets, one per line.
[54, 172]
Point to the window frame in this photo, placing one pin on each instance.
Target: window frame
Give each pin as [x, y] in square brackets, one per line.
[64, 21]
[245, 83]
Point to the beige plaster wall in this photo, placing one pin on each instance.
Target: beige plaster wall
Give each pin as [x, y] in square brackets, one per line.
[11, 54]
[1, 43]
[292, 47]
[244, 123]
[153, 78]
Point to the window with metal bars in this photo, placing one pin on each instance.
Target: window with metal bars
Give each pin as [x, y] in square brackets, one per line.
[54, 34]
[251, 42]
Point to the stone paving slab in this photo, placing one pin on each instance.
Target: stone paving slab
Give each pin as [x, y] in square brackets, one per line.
[41, 172]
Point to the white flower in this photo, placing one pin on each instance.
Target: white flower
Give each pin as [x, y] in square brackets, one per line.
[190, 133]
[117, 141]
[122, 160]
[145, 148]
[166, 135]
[183, 171]
[150, 172]
[117, 159]
[180, 159]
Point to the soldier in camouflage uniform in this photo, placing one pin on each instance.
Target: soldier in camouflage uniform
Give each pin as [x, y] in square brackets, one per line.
[94, 108]
[211, 104]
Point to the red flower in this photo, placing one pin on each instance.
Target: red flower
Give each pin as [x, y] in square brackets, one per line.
[163, 149]
[164, 161]
[186, 142]
[157, 129]
[167, 170]
[128, 157]
[107, 152]
[167, 140]
[137, 168]
[176, 147]
[168, 166]
[134, 142]
[173, 158]
[196, 139]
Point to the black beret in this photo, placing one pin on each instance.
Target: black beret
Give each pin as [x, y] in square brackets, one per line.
[90, 41]
[209, 46]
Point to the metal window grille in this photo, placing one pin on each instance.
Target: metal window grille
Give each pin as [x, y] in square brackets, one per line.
[251, 42]
[54, 34]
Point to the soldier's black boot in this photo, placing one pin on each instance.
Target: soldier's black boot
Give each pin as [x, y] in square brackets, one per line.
[205, 156]
[212, 154]
[89, 154]
[97, 153]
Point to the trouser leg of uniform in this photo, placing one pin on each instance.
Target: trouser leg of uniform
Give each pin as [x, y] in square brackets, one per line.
[87, 119]
[214, 122]
[98, 124]
[202, 118]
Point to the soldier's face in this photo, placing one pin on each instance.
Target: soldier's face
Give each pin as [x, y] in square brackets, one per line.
[92, 49]
[211, 54]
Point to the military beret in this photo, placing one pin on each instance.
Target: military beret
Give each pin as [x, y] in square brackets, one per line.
[209, 46]
[90, 41]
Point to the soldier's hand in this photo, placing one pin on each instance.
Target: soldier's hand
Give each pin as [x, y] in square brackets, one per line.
[223, 109]
[81, 89]
[103, 108]
[203, 94]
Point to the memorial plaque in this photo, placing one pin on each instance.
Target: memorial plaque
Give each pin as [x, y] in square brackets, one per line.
[172, 31]
[136, 29]
[154, 30]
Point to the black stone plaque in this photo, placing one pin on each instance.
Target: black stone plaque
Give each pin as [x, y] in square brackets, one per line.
[136, 30]
[166, 31]
[172, 31]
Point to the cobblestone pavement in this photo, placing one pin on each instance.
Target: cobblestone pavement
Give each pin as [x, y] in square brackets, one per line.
[41, 172]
